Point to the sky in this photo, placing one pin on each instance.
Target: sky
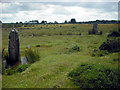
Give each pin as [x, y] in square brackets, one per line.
[15, 11]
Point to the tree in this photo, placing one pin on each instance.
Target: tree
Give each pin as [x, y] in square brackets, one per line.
[55, 22]
[65, 21]
[73, 20]
[43, 22]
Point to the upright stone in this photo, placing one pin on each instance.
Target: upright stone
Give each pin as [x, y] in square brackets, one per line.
[95, 28]
[13, 47]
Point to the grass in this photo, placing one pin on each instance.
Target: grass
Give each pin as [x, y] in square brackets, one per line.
[55, 64]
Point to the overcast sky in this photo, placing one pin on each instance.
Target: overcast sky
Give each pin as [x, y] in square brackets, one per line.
[58, 11]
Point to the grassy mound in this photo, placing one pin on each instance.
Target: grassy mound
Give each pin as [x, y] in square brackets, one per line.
[94, 76]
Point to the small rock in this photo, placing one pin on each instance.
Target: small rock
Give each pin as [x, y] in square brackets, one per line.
[24, 60]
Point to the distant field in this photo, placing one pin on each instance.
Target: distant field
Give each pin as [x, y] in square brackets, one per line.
[55, 63]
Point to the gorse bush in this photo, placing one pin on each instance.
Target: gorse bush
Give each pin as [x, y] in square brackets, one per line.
[114, 34]
[19, 68]
[116, 59]
[9, 71]
[22, 68]
[32, 55]
[74, 49]
[112, 45]
[95, 76]
[5, 54]
[100, 53]
[37, 45]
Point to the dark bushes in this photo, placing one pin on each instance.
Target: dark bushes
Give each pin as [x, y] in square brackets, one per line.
[100, 53]
[74, 49]
[94, 76]
[114, 34]
[111, 45]
[22, 68]
[17, 69]
[9, 71]
[37, 45]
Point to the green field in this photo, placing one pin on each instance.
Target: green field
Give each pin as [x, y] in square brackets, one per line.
[55, 40]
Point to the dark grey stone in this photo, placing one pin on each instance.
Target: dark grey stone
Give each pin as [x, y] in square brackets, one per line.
[13, 49]
[95, 28]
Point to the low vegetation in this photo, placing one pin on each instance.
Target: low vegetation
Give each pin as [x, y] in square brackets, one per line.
[32, 55]
[95, 76]
[100, 53]
[22, 68]
[114, 34]
[74, 49]
[111, 45]
[17, 69]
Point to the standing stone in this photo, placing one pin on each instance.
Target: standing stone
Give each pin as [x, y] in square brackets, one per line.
[95, 28]
[24, 60]
[13, 47]
[0, 46]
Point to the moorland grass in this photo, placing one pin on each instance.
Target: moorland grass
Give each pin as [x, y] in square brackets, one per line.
[52, 70]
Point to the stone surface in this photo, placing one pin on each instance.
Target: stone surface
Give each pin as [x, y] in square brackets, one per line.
[13, 48]
[28, 46]
[5, 64]
[95, 28]
[24, 60]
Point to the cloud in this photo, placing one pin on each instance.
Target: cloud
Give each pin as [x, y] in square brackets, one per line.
[58, 11]
[60, 0]
[16, 7]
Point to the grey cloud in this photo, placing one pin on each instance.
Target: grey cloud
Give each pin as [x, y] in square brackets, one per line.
[14, 7]
[61, 11]
[105, 6]
[26, 6]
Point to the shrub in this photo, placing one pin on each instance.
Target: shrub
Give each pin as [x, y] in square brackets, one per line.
[116, 59]
[32, 55]
[100, 53]
[94, 76]
[22, 68]
[5, 54]
[73, 27]
[114, 34]
[9, 71]
[60, 33]
[100, 33]
[37, 45]
[14, 70]
[111, 45]
[74, 49]
[5, 59]
[80, 34]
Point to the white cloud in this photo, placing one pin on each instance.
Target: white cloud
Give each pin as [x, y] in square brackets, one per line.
[59, 0]
[15, 12]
